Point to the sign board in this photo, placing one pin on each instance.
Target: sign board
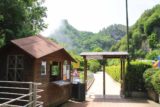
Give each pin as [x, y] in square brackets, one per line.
[76, 65]
[98, 57]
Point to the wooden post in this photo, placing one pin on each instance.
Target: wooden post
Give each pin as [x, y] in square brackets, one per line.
[85, 72]
[30, 91]
[70, 70]
[123, 78]
[34, 94]
[104, 78]
[121, 68]
[61, 65]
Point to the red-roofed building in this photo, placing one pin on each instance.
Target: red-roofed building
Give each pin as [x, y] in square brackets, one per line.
[38, 59]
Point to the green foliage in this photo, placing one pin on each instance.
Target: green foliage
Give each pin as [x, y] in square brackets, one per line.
[148, 76]
[117, 31]
[94, 65]
[111, 62]
[153, 40]
[114, 72]
[153, 20]
[98, 49]
[144, 35]
[152, 79]
[156, 81]
[134, 76]
[153, 55]
[20, 18]
[120, 46]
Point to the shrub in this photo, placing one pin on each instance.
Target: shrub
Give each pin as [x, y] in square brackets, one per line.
[152, 79]
[156, 81]
[114, 72]
[147, 76]
[111, 62]
[80, 68]
[134, 76]
[94, 66]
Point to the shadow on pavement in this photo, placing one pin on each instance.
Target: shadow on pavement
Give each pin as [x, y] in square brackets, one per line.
[116, 99]
[91, 101]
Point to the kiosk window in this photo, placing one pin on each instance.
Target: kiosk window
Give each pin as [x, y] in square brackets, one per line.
[43, 68]
[55, 69]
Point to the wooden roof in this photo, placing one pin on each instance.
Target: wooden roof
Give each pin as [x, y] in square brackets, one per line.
[102, 55]
[37, 46]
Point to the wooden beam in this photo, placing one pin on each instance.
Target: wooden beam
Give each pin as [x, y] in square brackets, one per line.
[123, 79]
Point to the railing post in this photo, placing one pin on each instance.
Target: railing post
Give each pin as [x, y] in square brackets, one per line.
[30, 91]
[34, 94]
[31, 94]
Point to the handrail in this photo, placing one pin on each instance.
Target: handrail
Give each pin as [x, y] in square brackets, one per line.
[31, 94]
[15, 88]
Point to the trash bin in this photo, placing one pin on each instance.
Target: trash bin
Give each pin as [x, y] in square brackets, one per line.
[78, 91]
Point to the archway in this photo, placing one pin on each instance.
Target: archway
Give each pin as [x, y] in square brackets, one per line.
[104, 56]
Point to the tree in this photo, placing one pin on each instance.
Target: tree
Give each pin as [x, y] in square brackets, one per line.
[20, 18]
[153, 40]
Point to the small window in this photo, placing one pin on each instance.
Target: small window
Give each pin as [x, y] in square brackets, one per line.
[55, 69]
[66, 71]
[43, 68]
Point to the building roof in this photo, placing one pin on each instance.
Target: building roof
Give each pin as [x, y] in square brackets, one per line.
[101, 55]
[37, 46]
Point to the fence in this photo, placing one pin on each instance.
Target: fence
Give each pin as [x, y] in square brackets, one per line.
[19, 94]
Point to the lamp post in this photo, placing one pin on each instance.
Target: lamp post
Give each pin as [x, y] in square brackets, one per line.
[127, 28]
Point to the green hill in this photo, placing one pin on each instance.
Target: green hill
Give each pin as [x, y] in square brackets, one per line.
[78, 41]
[117, 31]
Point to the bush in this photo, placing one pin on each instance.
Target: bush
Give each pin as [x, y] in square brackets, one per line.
[152, 79]
[94, 66]
[147, 76]
[111, 62]
[134, 76]
[156, 81]
[114, 72]
[80, 68]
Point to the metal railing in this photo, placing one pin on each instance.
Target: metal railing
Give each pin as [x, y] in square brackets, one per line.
[19, 94]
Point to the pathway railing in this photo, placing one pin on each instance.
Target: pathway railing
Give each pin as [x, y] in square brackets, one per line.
[19, 94]
[90, 80]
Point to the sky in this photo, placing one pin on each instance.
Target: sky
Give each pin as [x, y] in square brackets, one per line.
[93, 15]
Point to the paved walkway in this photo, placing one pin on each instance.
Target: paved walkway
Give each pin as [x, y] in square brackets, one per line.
[94, 97]
[112, 87]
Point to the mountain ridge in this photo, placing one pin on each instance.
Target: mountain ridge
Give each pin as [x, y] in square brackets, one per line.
[79, 41]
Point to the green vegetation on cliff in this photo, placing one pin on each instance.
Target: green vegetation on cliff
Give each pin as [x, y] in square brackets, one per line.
[144, 35]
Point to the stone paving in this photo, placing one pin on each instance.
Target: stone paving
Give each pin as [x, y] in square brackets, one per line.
[94, 97]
